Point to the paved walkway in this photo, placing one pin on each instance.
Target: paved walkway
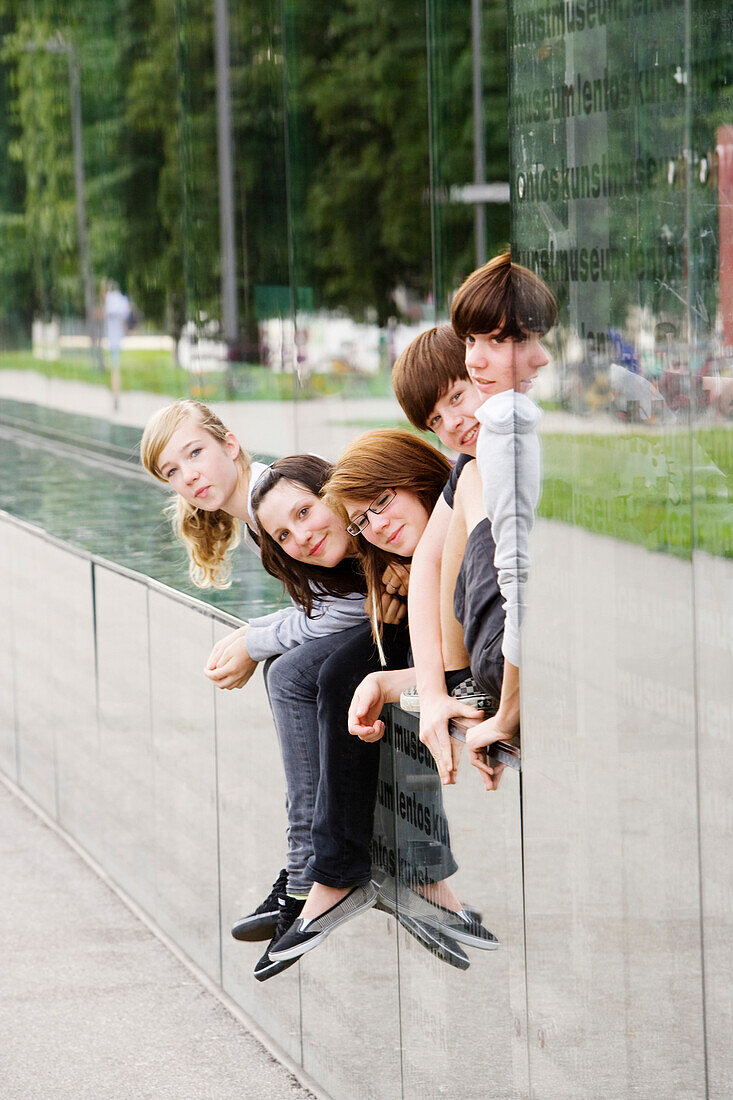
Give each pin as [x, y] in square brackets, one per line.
[324, 425]
[92, 1005]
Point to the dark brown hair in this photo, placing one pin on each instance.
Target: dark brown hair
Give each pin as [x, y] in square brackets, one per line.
[386, 458]
[304, 583]
[425, 370]
[503, 298]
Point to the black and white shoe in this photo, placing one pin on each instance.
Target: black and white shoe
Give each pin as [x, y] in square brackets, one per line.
[261, 924]
[467, 692]
[444, 947]
[268, 967]
[307, 933]
[460, 926]
[464, 926]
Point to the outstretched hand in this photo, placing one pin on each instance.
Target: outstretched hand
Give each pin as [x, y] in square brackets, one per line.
[477, 741]
[230, 665]
[366, 706]
[490, 773]
[435, 714]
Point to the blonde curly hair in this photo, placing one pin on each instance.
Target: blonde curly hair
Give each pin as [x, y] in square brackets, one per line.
[209, 537]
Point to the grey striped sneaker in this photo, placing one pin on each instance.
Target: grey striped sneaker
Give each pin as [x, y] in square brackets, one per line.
[305, 934]
[467, 692]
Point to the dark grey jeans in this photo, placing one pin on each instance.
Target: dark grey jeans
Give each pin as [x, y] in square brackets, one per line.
[292, 688]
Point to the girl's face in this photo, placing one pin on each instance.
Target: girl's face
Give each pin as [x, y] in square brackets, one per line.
[303, 526]
[397, 528]
[201, 468]
[497, 365]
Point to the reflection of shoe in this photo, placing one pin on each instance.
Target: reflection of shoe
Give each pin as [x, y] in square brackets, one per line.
[443, 947]
[307, 933]
[261, 924]
[465, 926]
[467, 692]
[267, 967]
[460, 926]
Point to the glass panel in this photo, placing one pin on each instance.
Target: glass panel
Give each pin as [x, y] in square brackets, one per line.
[469, 156]
[8, 760]
[71, 689]
[601, 203]
[184, 780]
[455, 849]
[349, 990]
[710, 261]
[350, 1011]
[33, 613]
[359, 187]
[126, 749]
[236, 337]
[252, 824]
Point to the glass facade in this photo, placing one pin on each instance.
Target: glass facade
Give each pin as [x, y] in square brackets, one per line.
[286, 193]
[621, 154]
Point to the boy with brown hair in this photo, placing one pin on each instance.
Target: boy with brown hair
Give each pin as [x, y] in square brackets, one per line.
[435, 392]
[500, 313]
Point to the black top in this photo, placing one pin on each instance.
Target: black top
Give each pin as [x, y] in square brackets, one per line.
[449, 489]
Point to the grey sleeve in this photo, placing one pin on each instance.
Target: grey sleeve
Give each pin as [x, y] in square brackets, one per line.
[509, 462]
[273, 634]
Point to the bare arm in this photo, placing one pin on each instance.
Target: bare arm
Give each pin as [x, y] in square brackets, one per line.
[436, 637]
[424, 613]
[373, 693]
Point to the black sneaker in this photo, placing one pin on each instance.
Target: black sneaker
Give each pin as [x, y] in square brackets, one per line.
[305, 934]
[261, 924]
[266, 967]
[444, 947]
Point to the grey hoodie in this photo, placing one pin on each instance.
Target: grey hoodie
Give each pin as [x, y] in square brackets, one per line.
[509, 461]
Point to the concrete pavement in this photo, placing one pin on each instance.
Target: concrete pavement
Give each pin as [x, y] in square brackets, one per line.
[92, 1004]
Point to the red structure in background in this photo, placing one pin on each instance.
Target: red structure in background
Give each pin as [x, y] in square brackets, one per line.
[725, 229]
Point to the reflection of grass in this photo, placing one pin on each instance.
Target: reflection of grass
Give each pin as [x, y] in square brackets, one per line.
[648, 488]
[152, 371]
[667, 492]
[155, 372]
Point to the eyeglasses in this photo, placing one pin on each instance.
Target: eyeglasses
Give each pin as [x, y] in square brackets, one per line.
[378, 505]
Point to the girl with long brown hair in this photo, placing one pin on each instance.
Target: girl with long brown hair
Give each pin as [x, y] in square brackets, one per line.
[385, 486]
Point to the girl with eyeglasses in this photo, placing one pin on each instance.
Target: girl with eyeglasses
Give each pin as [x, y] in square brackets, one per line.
[384, 486]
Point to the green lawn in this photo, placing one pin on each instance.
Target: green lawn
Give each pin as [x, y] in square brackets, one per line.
[665, 491]
[155, 372]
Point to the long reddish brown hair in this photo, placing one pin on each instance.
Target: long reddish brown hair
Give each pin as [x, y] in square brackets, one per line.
[386, 458]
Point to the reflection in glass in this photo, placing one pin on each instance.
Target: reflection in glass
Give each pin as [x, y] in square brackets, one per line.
[616, 192]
